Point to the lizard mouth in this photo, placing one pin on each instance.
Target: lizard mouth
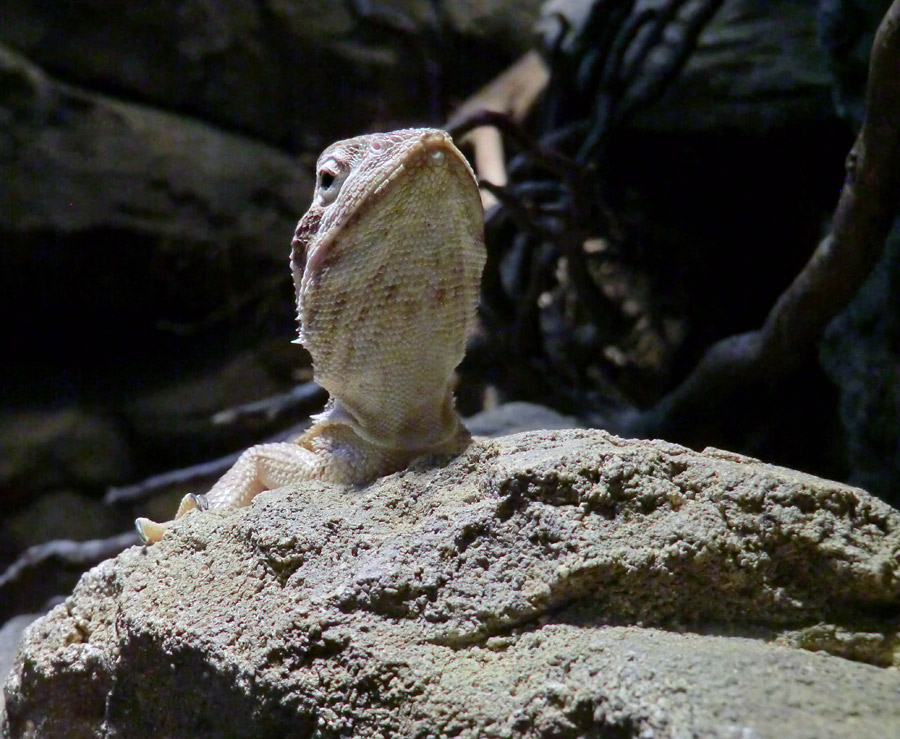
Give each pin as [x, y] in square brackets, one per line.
[434, 148]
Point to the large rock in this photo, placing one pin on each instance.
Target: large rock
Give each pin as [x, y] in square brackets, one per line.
[510, 593]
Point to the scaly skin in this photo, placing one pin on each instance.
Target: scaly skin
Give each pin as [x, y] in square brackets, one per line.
[387, 265]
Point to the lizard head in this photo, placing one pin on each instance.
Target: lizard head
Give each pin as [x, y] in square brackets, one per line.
[387, 265]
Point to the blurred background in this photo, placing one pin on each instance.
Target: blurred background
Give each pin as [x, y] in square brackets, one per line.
[658, 173]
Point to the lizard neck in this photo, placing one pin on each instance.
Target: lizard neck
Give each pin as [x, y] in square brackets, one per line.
[414, 424]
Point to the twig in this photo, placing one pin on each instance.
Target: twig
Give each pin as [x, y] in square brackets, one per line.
[301, 397]
[51, 568]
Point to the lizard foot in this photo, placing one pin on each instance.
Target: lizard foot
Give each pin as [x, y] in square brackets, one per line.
[151, 531]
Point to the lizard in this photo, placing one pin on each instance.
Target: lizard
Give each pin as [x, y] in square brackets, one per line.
[387, 268]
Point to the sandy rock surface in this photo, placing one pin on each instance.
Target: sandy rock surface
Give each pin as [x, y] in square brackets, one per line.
[553, 583]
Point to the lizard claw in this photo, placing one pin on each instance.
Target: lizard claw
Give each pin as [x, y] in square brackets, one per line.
[200, 501]
[150, 531]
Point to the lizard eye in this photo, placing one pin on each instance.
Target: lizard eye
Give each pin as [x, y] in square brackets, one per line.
[331, 176]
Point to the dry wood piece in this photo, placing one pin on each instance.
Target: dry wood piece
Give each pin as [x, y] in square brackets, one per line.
[513, 93]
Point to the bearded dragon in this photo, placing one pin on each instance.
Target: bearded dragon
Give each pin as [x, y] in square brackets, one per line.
[387, 265]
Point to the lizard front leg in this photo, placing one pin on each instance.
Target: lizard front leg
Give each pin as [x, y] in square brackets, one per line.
[260, 468]
[329, 451]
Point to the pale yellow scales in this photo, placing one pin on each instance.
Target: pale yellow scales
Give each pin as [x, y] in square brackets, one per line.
[387, 265]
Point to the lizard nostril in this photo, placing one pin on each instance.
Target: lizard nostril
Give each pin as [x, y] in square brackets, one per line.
[437, 156]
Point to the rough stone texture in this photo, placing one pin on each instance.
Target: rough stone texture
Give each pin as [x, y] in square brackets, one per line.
[145, 225]
[10, 634]
[497, 596]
